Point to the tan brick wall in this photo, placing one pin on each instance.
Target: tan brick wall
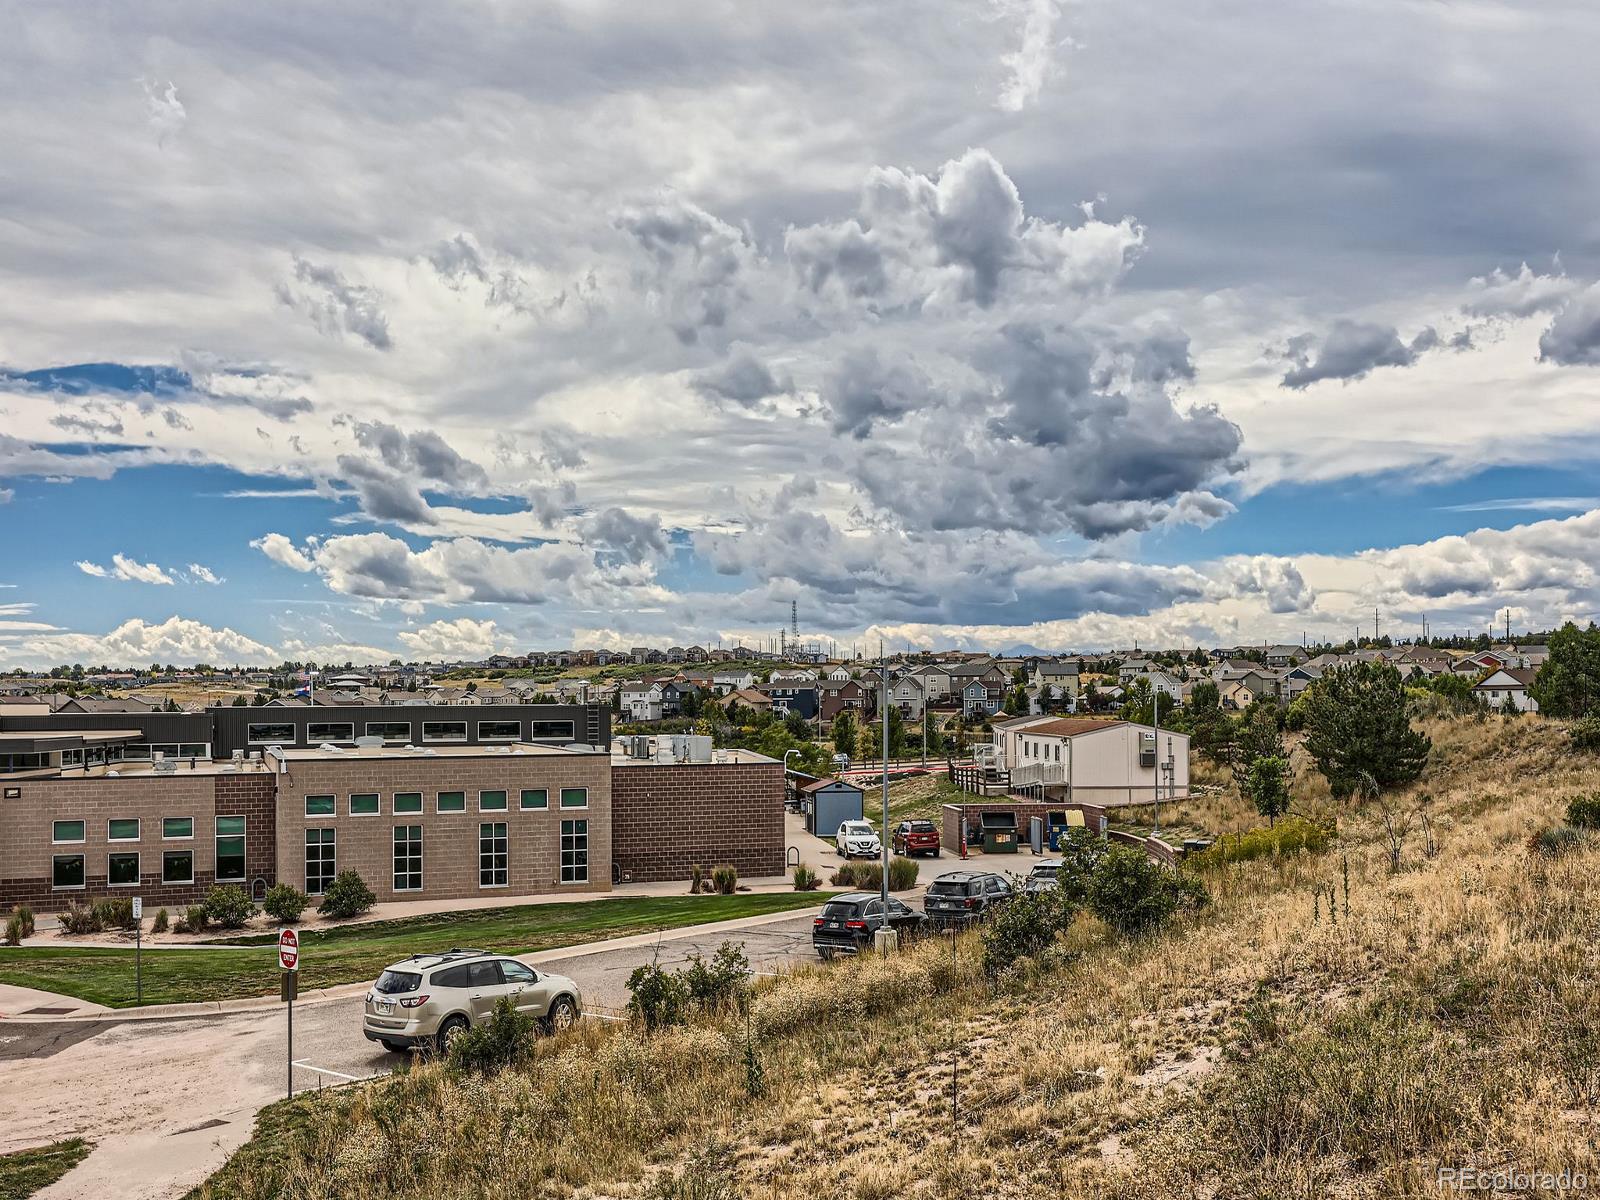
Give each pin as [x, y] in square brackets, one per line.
[449, 840]
[26, 850]
[667, 816]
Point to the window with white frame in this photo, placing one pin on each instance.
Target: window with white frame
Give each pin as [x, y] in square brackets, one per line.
[408, 858]
[493, 857]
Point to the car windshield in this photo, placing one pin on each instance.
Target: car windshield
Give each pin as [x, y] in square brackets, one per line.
[1043, 872]
[397, 983]
[858, 830]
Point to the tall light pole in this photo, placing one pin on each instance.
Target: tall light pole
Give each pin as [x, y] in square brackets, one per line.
[1156, 710]
[883, 713]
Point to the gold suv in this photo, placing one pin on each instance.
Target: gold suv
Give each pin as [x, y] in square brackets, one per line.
[428, 1000]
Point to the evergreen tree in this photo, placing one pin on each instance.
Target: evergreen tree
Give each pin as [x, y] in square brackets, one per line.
[1568, 685]
[1212, 728]
[1267, 784]
[1357, 729]
[1256, 736]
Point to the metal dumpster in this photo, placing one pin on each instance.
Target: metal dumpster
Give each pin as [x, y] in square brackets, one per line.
[999, 833]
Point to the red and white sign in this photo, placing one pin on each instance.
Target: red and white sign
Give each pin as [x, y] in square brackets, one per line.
[289, 950]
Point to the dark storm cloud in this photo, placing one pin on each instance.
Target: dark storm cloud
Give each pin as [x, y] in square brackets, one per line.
[1573, 338]
[743, 379]
[424, 453]
[864, 391]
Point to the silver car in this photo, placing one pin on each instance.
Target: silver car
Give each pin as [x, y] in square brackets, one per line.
[428, 1000]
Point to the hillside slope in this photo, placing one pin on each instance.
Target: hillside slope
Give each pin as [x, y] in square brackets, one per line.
[1327, 1027]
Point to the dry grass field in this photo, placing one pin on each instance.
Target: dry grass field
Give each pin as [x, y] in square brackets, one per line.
[1328, 1027]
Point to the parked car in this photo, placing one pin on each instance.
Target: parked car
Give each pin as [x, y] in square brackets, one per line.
[848, 922]
[965, 895]
[428, 1000]
[1043, 876]
[916, 837]
[841, 762]
[857, 839]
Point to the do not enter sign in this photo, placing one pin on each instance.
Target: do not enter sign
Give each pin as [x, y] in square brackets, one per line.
[289, 950]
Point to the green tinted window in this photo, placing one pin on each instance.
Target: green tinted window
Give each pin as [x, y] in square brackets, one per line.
[452, 802]
[177, 827]
[407, 802]
[123, 829]
[491, 801]
[66, 831]
[535, 798]
[230, 826]
[320, 806]
[574, 797]
[364, 805]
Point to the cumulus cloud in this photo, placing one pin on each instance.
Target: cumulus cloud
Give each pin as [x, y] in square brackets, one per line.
[163, 109]
[1351, 350]
[1029, 65]
[462, 638]
[127, 569]
[700, 262]
[1499, 294]
[139, 643]
[959, 237]
[863, 390]
[202, 574]
[743, 379]
[633, 538]
[336, 306]
[1573, 339]
[424, 453]
[283, 552]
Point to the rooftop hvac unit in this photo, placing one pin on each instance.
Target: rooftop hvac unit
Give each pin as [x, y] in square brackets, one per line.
[639, 746]
[699, 748]
[238, 756]
[368, 743]
[165, 766]
[1147, 749]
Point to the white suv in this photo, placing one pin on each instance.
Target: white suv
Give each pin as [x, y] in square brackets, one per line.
[856, 839]
[429, 999]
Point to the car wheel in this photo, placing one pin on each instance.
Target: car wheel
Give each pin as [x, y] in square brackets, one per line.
[452, 1028]
[394, 1047]
[563, 1015]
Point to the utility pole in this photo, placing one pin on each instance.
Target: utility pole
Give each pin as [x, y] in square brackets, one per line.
[886, 933]
[1156, 701]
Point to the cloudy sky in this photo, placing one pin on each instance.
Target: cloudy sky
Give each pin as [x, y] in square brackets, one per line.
[436, 330]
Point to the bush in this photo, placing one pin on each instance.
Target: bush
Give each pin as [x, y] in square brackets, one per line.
[504, 1040]
[13, 931]
[725, 878]
[902, 874]
[79, 918]
[1132, 894]
[1585, 734]
[1555, 841]
[868, 876]
[114, 913]
[194, 920]
[23, 915]
[347, 896]
[159, 925]
[714, 986]
[1022, 928]
[1081, 851]
[659, 996]
[1584, 811]
[696, 874]
[229, 907]
[805, 879]
[1290, 836]
[284, 903]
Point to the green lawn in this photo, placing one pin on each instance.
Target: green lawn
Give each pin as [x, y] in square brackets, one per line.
[27, 1171]
[358, 952]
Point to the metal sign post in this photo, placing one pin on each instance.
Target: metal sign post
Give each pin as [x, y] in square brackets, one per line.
[289, 960]
[138, 950]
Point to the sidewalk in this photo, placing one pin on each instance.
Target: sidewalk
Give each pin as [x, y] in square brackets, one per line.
[48, 927]
[15, 1002]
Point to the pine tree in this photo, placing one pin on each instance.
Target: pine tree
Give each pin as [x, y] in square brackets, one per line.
[1256, 736]
[1568, 685]
[1357, 730]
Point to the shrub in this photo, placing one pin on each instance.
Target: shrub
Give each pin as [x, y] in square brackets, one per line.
[504, 1040]
[1130, 893]
[194, 920]
[713, 986]
[659, 996]
[1081, 851]
[696, 874]
[868, 876]
[1585, 734]
[805, 879]
[1291, 836]
[284, 902]
[229, 907]
[1584, 811]
[1022, 928]
[902, 874]
[24, 918]
[114, 913]
[1555, 841]
[347, 896]
[159, 925]
[79, 918]
[726, 879]
[13, 931]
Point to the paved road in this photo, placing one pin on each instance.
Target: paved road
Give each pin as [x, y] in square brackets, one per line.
[167, 1100]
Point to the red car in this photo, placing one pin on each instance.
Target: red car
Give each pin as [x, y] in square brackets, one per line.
[916, 837]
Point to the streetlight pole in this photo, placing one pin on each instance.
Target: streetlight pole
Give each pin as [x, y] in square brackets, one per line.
[883, 688]
[1156, 702]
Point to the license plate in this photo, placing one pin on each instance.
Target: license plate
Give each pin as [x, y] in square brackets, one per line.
[833, 925]
[385, 1006]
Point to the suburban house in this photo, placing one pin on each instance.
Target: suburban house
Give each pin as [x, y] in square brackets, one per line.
[1508, 683]
[839, 674]
[1296, 680]
[1285, 656]
[1131, 668]
[1061, 678]
[906, 696]
[837, 697]
[1165, 682]
[981, 685]
[793, 696]
[748, 698]
[642, 700]
[724, 682]
[1095, 761]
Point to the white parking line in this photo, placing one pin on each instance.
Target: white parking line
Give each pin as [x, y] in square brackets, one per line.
[305, 1066]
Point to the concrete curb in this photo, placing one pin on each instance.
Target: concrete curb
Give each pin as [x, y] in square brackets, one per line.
[214, 1008]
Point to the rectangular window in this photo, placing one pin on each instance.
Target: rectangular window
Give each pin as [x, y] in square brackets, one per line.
[574, 797]
[136, 751]
[364, 804]
[444, 731]
[265, 733]
[122, 870]
[408, 802]
[499, 731]
[408, 858]
[452, 802]
[390, 731]
[318, 732]
[177, 828]
[491, 802]
[66, 831]
[67, 871]
[492, 854]
[194, 750]
[320, 860]
[122, 829]
[230, 850]
[538, 730]
[321, 806]
[575, 851]
[177, 866]
[535, 798]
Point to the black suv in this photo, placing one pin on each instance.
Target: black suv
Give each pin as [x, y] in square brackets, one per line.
[965, 895]
[848, 922]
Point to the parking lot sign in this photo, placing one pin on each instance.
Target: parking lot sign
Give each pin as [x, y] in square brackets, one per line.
[138, 908]
[289, 950]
